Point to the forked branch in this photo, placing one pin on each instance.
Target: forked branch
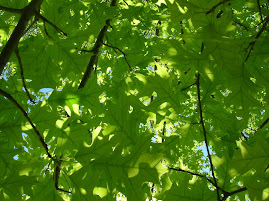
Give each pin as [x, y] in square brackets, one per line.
[28, 12]
[225, 193]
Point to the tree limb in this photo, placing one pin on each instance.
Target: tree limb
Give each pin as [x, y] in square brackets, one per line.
[204, 132]
[217, 5]
[11, 10]
[98, 44]
[22, 75]
[28, 12]
[11, 99]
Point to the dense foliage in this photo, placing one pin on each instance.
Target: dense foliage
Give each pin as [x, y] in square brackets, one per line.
[134, 100]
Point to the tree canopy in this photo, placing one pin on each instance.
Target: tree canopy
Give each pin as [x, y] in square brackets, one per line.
[134, 100]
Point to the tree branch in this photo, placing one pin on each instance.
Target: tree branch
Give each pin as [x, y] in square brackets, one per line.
[262, 125]
[241, 25]
[251, 44]
[120, 52]
[56, 175]
[50, 23]
[22, 75]
[199, 175]
[227, 194]
[259, 9]
[98, 44]
[188, 87]
[217, 5]
[204, 132]
[11, 10]
[28, 12]
[11, 99]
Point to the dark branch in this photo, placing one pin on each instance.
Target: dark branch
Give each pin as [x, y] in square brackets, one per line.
[28, 12]
[245, 137]
[125, 2]
[199, 175]
[263, 124]
[188, 86]
[120, 52]
[98, 44]
[50, 23]
[259, 9]
[217, 5]
[241, 25]
[22, 75]
[204, 132]
[251, 45]
[11, 99]
[57, 171]
[11, 10]
[227, 194]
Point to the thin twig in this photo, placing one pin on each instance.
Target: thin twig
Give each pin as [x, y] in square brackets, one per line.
[241, 25]
[226, 194]
[204, 132]
[50, 23]
[259, 9]
[124, 55]
[245, 137]
[125, 2]
[164, 130]
[251, 44]
[214, 7]
[11, 10]
[262, 125]
[22, 75]
[188, 86]
[11, 99]
[199, 175]
[45, 29]
[95, 50]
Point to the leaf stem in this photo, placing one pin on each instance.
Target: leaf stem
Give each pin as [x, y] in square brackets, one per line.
[204, 132]
[22, 75]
